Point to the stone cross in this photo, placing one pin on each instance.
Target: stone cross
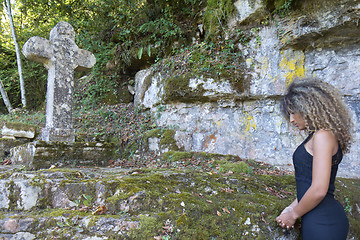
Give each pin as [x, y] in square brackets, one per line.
[61, 56]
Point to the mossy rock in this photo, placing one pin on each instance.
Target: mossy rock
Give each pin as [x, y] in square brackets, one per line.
[181, 204]
[165, 136]
[204, 206]
[121, 95]
[174, 156]
[20, 126]
[177, 89]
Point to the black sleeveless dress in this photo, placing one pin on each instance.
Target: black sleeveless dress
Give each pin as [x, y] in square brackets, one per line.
[327, 221]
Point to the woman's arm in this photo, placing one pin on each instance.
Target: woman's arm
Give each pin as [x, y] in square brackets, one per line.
[323, 145]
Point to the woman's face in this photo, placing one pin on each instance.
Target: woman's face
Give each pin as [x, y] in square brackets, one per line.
[297, 120]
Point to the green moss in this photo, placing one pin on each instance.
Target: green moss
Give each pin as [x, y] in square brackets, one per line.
[38, 181]
[43, 203]
[177, 89]
[174, 156]
[125, 191]
[203, 156]
[166, 137]
[5, 175]
[193, 202]
[20, 126]
[237, 167]
[68, 173]
[14, 193]
[149, 228]
[182, 220]
[215, 156]
[153, 133]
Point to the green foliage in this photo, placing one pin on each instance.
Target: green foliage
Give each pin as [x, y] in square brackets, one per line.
[215, 17]
[36, 118]
[160, 30]
[347, 206]
[100, 83]
[284, 7]
[87, 200]
[281, 7]
[120, 32]
[125, 36]
[220, 60]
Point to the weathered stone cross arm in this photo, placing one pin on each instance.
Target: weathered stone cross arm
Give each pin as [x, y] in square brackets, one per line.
[38, 49]
[86, 60]
[41, 50]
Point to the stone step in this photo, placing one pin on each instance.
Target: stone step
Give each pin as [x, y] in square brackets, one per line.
[64, 224]
[71, 188]
[42, 155]
[144, 203]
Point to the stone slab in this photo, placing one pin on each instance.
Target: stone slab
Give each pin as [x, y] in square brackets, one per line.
[42, 154]
[18, 130]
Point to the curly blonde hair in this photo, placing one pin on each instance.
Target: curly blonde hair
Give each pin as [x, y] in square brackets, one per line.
[322, 107]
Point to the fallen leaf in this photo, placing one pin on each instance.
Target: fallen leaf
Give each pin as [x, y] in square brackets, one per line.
[84, 209]
[263, 218]
[100, 210]
[218, 213]
[228, 190]
[209, 201]
[226, 210]
[6, 161]
[286, 192]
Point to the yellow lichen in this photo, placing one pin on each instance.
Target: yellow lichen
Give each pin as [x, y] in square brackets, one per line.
[249, 122]
[292, 65]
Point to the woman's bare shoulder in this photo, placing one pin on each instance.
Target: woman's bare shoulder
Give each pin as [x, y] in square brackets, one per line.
[325, 138]
[324, 135]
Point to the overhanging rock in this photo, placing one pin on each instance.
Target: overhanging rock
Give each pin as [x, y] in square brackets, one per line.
[42, 154]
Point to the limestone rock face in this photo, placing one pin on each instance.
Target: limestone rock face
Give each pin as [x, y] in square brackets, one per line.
[249, 9]
[320, 39]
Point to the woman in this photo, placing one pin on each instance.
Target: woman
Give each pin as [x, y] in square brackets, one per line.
[317, 108]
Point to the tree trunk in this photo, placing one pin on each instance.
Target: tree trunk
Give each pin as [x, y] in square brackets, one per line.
[5, 97]
[18, 58]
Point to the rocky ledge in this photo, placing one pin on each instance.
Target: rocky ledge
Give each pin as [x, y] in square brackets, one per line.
[181, 199]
